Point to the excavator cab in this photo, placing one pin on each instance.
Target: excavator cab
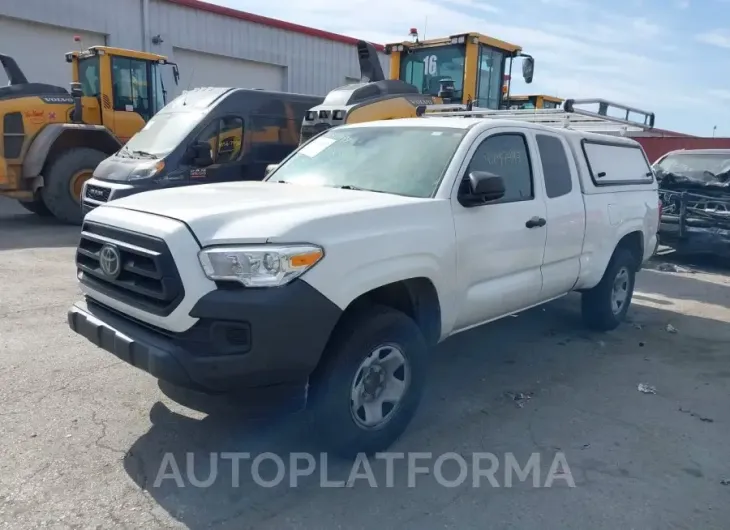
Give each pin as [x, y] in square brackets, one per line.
[461, 72]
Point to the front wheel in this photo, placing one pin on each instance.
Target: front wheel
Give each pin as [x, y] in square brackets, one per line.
[64, 182]
[36, 206]
[604, 307]
[370, 383]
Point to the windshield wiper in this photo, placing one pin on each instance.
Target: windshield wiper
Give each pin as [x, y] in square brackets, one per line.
[355, 188]
[144, 154]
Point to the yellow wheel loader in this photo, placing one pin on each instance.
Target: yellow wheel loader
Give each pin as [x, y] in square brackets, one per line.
[53, 139]
[461, 72]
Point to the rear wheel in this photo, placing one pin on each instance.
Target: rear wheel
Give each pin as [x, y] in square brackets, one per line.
[370, 383]
[37, 207]
[64, 181]
[604, 307]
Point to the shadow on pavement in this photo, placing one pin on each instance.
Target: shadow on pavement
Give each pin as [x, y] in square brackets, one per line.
[20, 229]
[627, 450]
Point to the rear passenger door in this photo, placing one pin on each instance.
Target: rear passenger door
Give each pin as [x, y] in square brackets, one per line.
[499, 252]
[565, 215]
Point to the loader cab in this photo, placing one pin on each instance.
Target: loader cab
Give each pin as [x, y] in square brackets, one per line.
[121, 89]
[473, 65]
[536, 101]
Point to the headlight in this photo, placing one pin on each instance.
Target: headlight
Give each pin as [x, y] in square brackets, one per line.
[261, 265]
[147, 170]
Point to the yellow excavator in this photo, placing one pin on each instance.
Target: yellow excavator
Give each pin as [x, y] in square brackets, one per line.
[53, 139]
[460, 72]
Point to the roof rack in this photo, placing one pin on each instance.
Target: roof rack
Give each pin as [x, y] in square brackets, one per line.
[568, 117]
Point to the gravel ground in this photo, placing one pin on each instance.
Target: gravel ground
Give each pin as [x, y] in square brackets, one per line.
[84, 435]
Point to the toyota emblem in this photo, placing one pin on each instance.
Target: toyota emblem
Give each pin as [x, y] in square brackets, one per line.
[110, 261]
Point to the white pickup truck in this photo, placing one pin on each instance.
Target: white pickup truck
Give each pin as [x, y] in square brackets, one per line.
[367, 246]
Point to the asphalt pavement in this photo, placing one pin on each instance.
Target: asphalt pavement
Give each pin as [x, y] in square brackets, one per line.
[89, 442]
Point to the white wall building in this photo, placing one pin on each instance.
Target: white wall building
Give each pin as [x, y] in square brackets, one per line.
[213, 45]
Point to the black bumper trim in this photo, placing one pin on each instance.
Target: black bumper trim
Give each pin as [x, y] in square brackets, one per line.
[289, 329]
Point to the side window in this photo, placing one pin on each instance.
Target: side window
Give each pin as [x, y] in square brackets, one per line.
[506, 155]
[209, 135]
[130, 86]
[89, 76]
[230, 139]
[225, 137]
[490, 78]
[555, 166]
[158, 90]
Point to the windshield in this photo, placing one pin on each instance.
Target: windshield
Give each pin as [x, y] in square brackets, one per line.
[407, 161]
[425, 68]
[706, 167]
[163, 133]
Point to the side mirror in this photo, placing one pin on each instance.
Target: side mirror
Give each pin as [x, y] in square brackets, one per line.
[269, 169]
[76, 90]
[200, 154]
[528, 68]
[481, 187]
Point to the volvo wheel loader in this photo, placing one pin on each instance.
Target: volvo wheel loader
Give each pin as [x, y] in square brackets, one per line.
[53, 138]
[461, 72]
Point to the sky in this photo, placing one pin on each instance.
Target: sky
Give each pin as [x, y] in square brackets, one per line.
[670, 57]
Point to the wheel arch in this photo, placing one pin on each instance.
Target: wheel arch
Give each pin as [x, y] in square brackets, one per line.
[60, 137]
[633, 241]
[417, 297]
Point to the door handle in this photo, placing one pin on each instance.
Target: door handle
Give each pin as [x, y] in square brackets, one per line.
[535, 222]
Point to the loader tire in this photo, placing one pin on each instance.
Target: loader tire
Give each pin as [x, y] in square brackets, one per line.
[37, 207]
[64, 179]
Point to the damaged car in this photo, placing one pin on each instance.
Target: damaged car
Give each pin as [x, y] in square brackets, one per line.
[694, 187]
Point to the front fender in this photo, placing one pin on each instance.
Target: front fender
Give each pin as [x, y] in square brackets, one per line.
[79, 135]
[366, 276]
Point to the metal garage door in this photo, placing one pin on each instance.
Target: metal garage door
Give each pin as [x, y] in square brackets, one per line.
[205, 69]
[39, 49]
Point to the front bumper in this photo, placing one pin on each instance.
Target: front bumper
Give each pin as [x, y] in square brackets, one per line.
[243, 339]
[692, 239]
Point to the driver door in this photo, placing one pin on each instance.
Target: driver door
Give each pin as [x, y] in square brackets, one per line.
[225, 136]
[499, 256]
[131, 102]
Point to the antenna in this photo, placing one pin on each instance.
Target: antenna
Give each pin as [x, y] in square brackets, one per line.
[192, 74]
[425, 27]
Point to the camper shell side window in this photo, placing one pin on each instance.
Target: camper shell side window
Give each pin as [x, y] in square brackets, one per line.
[616, 164]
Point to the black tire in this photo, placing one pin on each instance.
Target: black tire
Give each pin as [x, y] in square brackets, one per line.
[56, 190]
[356, 337]
[597, 305]
[37, 207]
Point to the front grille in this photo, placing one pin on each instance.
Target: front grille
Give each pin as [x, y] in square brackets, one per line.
[97, 193]
[147, 279]
[309, 131]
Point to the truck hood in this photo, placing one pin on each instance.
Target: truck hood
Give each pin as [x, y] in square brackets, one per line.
[258, 212]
